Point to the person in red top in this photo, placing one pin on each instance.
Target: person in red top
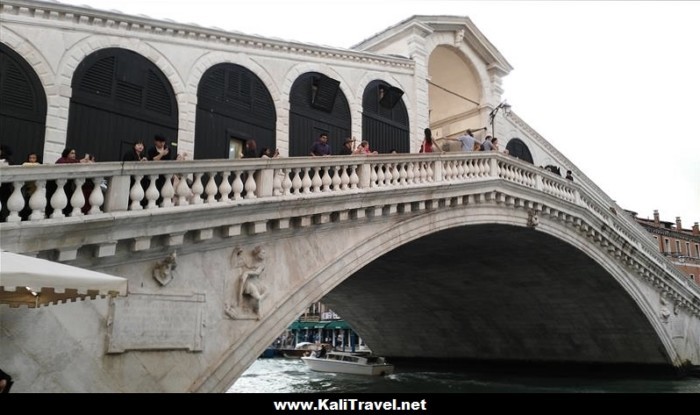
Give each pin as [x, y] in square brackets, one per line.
[429, 145]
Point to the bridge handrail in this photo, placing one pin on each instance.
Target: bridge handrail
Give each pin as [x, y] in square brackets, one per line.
[131, 186]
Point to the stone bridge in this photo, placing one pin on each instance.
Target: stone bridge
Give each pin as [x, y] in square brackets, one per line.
[457, 255]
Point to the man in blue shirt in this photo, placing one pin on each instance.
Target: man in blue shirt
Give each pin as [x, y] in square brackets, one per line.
[467, 141]
[321, 147]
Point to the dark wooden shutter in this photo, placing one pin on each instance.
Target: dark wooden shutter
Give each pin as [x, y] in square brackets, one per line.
[232, 102]
[385, 126]
[22, 106]
[517, 148]
[119, 96]
[309, 115]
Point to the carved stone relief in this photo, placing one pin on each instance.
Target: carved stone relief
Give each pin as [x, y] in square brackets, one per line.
[532, 219]
[245, 288]
[664, 312]
[163, 270]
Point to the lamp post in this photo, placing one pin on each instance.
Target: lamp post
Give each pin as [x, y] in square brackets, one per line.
[492, 116]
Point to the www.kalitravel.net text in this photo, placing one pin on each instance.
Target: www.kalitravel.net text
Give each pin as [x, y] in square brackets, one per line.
[349, 404]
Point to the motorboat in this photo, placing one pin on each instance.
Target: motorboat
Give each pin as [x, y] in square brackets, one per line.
[302, 349]
[348, 362]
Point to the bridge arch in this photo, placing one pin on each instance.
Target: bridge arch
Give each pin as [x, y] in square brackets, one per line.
[385, 126]
[75, 56]
[518, 149]
[23, 107]
[619, 322]
[455, 90]
[232, 104]
[127, 98]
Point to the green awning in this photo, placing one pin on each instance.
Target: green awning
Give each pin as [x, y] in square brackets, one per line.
[304, 325]
[311, 325]
[338, 324]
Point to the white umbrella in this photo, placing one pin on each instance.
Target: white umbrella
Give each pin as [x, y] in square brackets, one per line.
[29, 281]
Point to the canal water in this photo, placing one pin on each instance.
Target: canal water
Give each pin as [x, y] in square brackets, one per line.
[280, 375]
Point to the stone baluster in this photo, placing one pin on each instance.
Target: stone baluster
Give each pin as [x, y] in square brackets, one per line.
[237, 186]
[197, 188]
[136, 194]
[152, 192]
[15, 203]
[306, 181]
[96, 197]
[37, 201]
[77, 199]
[277, 182]
[335, 181]
[402, 174]
[354, 178]
[225, 186]
[380, 175]
[210, 189]
[447, 174]
[316, 181]
[462, 169]
[410, 175]
[167, 192]
[250, 185]
[326, 180]
[344, 178]
[392, 175]
[483, 167]
[296, 181]
[430, 173]
[182, 191]
[286, 182]
[59, 200]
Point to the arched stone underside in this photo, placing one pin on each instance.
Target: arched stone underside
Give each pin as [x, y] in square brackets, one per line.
[475, 281]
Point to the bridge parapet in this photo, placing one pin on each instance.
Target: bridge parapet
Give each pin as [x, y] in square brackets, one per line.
[127, 191]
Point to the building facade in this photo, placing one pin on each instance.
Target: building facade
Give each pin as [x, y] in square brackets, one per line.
[680, 245]
[97, 81]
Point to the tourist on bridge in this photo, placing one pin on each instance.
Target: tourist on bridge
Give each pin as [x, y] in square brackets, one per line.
[136, 153]
[250, 150]
[347, 147]
[321, 147]
[159, 151]
[268, 153]
[467, 141]
[429, 145]
[363, 148]
[487, 145]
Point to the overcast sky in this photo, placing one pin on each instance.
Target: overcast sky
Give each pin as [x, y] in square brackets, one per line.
[614, 86]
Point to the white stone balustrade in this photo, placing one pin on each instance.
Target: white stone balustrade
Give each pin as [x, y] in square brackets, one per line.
[60, 192]
[136, 186]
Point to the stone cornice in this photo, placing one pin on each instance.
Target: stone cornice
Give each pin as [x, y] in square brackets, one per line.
[99, 19]
[670, 233]
[496, 62]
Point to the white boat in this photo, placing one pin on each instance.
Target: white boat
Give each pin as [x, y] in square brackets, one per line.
[345, 362]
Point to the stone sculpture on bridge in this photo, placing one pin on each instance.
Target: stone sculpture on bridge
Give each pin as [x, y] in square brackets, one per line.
[163, 270]
[244, 289]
